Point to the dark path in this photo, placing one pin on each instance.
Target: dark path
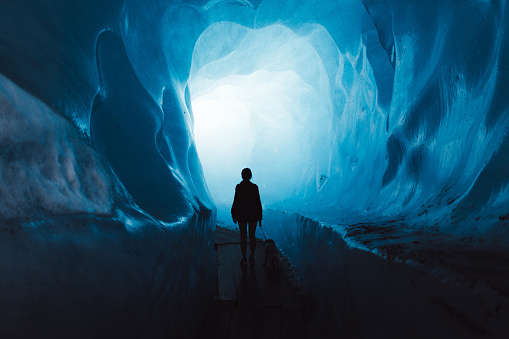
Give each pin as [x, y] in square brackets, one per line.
[251, 302]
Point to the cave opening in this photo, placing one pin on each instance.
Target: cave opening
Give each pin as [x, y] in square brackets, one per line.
[263, 99]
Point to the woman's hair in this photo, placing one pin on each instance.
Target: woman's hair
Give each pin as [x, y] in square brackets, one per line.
[246, 174]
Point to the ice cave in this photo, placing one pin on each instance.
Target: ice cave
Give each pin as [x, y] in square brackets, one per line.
[376, 130]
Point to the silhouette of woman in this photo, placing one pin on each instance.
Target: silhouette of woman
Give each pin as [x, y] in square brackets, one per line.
[247, 210]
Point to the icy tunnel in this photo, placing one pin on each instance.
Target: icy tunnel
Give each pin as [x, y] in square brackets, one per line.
[376, 131]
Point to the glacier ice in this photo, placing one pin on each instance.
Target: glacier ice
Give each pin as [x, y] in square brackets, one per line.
[362, 284]
[414, 152]
[50, 168]
[107, 224]
[283, 101]
[384, 120]
[424, 164]
[124, 124]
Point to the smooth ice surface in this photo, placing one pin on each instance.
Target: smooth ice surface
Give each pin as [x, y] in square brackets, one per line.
[123, 125]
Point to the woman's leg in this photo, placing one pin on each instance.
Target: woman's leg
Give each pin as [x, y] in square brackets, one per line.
[252, 238]
[243, 235]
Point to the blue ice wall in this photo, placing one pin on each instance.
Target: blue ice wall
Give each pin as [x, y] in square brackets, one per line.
[87, 276]
[107, 223]
[411, 119]
[78, 74]
[449, 99]
[403, 226]
[124, 125]
[96, 120]
[377, 281]
[435, 151]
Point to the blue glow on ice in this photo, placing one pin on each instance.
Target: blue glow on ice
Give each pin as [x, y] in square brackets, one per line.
[371, 116]
[418, 155]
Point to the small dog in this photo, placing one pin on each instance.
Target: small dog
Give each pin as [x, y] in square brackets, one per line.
[271, 255]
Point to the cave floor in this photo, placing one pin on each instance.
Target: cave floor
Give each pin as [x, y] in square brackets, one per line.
[250, 302]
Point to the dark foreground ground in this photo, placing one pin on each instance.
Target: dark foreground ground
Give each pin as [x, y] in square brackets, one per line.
[251, 302]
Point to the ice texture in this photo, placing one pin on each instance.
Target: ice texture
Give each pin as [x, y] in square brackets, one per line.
[384, 118]
[106, 220]
[404, 111]
[276, 103]
[360, 293]
[45, 166]
[412, 169]
[124, 127]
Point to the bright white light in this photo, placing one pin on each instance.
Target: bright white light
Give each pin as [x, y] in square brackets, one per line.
[222, 128]
[254, 121]
[224, 140]
[267, 109]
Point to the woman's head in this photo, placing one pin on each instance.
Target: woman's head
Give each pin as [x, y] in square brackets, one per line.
[246, 174]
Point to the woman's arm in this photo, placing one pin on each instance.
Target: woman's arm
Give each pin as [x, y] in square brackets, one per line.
[235, 206]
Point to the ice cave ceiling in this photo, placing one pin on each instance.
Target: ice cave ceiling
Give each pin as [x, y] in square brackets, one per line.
[377, 132]
[365, 107]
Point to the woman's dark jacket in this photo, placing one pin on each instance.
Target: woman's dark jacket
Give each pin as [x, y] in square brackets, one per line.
[246, 203]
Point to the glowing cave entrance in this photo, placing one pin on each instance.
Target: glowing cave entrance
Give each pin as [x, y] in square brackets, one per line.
[260, 100]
